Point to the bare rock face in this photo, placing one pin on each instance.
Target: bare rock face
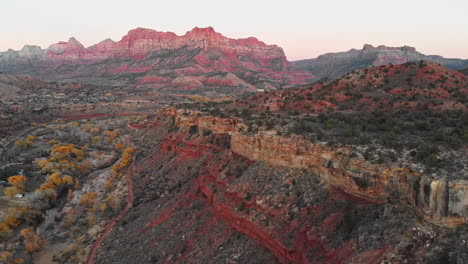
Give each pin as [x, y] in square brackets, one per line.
[441, 201]
[299, 201]
[186, 119]
[202, 58]
[63, 51]
[25, 55]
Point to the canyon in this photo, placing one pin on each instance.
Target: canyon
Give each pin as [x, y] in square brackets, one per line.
[223, 151]
[303, 202]
[442, 201]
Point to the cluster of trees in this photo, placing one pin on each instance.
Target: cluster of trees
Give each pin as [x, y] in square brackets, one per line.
[28, 142]
[17, 216]
[18, 183]
[63, 157]
[32, 243]
[118, 168]
[65, 161]
[90, 201]
[32, 240]
[111, 135]
[57, 180]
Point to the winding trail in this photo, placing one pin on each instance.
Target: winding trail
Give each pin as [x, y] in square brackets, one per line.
[110, 226]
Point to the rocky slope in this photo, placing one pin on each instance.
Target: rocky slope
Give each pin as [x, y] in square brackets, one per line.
[340, 167]
[263, 198]
[409, 86]
[333, 65]
[200, 59]
[209, 189]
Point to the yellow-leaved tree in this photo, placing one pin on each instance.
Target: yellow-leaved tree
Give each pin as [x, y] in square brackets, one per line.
[56, 180]
[32, 240]
[19, 185]
[89, 201]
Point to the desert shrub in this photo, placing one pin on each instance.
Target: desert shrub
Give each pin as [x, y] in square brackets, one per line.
[50, 218]
[8, 258]
[26, 143]
[207, 132]
[193, 129]
[19, 185]
[95, 140]
[111, 135]
[113, 202]
[17, 216]
[89, 201]
[32, 240]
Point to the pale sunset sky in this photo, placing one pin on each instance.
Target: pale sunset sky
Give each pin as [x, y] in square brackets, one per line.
[303, 28]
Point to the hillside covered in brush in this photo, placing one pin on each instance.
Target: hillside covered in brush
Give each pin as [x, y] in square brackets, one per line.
[415, 108]
[410, 86]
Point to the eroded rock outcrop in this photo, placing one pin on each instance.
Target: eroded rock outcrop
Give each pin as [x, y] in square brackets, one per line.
[441, 201]
[203, 196]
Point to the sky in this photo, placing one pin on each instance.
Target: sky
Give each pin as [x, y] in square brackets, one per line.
[303, 28]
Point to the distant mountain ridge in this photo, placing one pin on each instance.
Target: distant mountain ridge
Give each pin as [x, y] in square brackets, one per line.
[200, 59]
[335, 65]
[140, 42]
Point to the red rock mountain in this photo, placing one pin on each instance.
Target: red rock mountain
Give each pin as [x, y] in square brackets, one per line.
[200, 59]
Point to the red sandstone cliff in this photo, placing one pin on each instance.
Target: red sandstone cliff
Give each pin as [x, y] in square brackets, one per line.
[145, 57]
[440, 201]
[229, 196]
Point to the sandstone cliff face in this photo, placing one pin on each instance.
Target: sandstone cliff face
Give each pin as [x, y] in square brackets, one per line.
[187, 118]
[62, 51]
[202, 58]
[441, 201]
[230, 197]
[140, 42]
